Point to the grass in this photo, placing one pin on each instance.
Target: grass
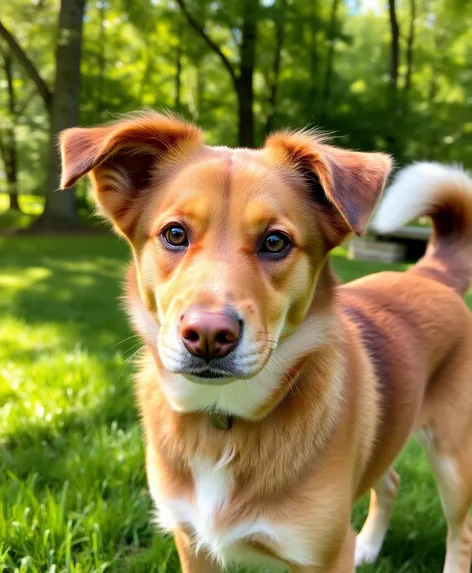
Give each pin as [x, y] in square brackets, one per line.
[73, 493]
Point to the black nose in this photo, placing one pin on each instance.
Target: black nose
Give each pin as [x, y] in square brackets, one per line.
[209, 334]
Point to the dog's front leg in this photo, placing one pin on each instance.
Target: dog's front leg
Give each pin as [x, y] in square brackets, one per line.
[192, 561]
[344, 562]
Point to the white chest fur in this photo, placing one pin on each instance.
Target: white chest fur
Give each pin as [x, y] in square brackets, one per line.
[213, 489]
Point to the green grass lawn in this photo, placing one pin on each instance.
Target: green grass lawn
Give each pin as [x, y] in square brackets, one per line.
[73, 493]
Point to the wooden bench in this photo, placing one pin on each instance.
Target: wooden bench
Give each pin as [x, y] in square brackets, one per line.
[404, 244]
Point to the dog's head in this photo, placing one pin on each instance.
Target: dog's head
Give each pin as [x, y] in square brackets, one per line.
[228, 243]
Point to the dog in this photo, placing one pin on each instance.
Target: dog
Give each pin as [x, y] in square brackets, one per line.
[271, 396]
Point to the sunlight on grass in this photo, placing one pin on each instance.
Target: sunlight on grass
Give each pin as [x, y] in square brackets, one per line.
[73, 487]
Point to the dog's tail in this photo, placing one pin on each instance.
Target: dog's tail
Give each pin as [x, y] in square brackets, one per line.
[444, 193]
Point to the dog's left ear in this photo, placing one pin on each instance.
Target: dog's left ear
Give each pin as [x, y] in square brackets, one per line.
[122, 157]
[351, 181]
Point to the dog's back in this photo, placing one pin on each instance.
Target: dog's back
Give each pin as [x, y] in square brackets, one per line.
[417, 330]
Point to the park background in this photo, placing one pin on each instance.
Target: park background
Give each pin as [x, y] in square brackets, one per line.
[390, 75]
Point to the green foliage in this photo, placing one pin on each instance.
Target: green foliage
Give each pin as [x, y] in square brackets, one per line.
[73, 488]
[131, 50]
[33, 24]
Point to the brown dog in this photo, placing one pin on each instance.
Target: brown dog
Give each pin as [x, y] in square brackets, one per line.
[271, 397]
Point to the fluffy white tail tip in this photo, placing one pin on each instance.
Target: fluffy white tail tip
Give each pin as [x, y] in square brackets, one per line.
[413, 192]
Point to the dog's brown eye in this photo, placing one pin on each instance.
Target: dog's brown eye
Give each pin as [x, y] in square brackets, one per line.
[175, 236]
[276, 244]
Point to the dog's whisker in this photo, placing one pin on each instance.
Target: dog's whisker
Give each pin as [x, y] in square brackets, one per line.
[125, 340]
[131, 348]
[129, 359]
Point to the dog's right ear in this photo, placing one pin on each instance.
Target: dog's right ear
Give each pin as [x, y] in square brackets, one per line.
[348, 183]
[120, 158]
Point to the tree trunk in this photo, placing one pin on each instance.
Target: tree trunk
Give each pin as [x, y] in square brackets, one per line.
[330, 57]
[431, 143]
[395, 48]
[11, 167]
[9, 157]
[60, 208]
[393, 131]
[178, 65]
[279, 42]
[13, 196]
[101, 62]
[313, 85]
[8, 144]
[245, 82]
[409, 50]
[12, 176]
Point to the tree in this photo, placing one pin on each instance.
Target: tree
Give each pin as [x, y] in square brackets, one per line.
[178, 64]
[28, 65]
[393, 129]
[279, 44]
[410, 44]
[330, 58]
[314, 25]
[395, 48]
[62, 104]
[102, 41]
[60, 208]
[8, 147]
[243, 79]
[307, 51]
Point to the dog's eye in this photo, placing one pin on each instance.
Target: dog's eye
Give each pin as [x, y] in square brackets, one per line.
[276, 243]
[175, 236]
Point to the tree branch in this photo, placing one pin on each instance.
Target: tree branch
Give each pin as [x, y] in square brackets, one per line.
[28, 65]
[410, 43]
[199, 28]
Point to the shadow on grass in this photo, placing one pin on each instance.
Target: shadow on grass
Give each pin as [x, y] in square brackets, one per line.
[74, 285]
[79, 290]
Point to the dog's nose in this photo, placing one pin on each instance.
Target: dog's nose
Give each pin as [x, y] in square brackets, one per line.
[208, 334]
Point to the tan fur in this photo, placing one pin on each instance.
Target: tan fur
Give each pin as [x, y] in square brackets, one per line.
[391, 352]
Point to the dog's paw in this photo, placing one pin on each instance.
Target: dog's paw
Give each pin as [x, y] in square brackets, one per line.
[367, 550]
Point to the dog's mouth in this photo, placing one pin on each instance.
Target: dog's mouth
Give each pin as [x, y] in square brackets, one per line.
[220, 375]
[210, 377]
[208, 373]
[215, 374]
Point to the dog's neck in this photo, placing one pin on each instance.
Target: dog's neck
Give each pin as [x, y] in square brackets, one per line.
[309, 412]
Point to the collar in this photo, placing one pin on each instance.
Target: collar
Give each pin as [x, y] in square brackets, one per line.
[221, 421]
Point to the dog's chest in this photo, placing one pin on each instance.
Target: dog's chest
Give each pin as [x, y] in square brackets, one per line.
[213, 491]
